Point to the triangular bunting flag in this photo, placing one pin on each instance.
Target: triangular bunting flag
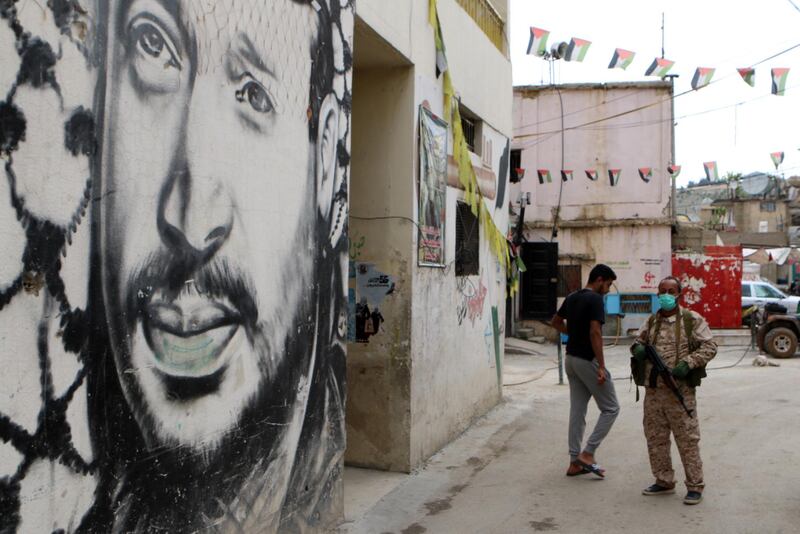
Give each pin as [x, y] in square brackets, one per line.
[674, 170]
[621, 59]
[544, 176]
[577, 49]
[613, 176]
[748, 74]
[537, 46]
[646, 173]
[591, 174]
[777, 158]
[779, 81]
[702, 77]
[711, 170]
[566, 176]
[660, 67]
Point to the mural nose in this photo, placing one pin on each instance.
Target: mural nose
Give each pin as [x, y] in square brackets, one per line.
[194, 219]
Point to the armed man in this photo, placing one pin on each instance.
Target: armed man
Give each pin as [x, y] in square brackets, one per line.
[684, 343]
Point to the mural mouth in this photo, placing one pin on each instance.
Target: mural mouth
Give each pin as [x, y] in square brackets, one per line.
[191, 336]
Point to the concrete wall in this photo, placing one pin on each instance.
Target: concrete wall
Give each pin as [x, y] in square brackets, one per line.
[172, 289]
[430, 370]
[601, 146]
[626, 226]
[379, 370]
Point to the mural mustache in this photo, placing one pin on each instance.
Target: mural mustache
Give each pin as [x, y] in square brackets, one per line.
[193, 318]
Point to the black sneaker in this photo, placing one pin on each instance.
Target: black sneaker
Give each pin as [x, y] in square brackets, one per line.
[693, 497]
[656, 489]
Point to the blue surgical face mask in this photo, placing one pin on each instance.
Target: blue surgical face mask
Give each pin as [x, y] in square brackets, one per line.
[667, 301]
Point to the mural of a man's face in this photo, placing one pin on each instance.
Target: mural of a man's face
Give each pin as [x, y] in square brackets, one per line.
[212, 195]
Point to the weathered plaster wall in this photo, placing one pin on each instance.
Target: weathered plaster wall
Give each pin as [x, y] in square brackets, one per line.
[379, 370]
[427, 375]
[455, 367]
[641, 256]
[606, 144]
[173, 308]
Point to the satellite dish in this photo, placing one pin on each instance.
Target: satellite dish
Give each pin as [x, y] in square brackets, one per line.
[558, 50]
[755, 185]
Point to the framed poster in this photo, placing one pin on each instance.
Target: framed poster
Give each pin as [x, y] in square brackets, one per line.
[432, 188]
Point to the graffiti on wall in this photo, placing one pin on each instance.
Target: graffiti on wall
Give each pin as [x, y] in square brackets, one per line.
[189, 366]
[472, 300]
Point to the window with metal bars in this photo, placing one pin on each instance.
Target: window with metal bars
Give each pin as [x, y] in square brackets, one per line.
[468, 126]
[467, 241]
[516, 166]
[641, 303]
[569, 279]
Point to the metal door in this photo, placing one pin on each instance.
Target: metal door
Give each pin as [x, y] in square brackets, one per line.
[540, 281]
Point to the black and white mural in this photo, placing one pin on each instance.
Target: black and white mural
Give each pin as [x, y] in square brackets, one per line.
[173, 310]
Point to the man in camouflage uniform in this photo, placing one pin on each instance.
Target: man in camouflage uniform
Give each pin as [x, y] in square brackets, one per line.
[683, 339]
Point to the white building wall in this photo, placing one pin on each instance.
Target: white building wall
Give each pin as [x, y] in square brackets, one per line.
[454, 375]
[626, 226]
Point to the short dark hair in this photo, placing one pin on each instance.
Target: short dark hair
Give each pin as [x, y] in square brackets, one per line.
[674, 279]
[602, 271]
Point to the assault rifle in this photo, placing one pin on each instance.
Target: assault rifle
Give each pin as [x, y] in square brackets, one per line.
[661, 369]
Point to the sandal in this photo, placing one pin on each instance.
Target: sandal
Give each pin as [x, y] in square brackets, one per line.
[593, 468]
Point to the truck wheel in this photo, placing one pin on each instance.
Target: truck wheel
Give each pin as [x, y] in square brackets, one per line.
[781, 342]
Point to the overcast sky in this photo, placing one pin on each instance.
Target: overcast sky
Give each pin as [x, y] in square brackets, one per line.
[699, 33]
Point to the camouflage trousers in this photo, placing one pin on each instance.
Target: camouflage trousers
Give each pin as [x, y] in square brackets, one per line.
[663, 414]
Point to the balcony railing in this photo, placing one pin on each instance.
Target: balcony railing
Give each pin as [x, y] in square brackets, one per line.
[488, 19]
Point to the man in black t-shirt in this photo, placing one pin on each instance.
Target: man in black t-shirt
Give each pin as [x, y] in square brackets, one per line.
[584, 314]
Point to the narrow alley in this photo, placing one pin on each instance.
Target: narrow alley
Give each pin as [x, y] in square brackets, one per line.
[506, 473]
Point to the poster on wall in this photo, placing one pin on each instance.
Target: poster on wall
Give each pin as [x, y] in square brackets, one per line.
[432, 188]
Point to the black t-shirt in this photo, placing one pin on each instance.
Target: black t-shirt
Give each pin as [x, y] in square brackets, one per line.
[579, 308]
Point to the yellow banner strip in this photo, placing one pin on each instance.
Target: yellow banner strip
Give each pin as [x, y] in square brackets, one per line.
[466, 173]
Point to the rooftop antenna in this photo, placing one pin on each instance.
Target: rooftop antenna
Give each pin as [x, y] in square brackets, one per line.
[662, 35]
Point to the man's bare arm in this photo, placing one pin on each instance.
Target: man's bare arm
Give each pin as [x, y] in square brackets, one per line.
[596, 337]
[558, 323]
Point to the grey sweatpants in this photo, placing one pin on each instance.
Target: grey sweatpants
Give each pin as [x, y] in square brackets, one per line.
[582, 375]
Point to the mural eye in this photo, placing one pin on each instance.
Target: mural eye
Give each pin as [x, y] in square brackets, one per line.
[155, 62]
[152, 43]
[256, 96]
[150, 40]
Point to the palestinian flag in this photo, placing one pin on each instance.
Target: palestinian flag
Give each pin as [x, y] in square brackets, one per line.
[674, 170]
[591, 174]
[621, 59]
[577, 49]
[566, 175]
[711, 170]
[779, 81]
[646, 173]
[748, 74]
[537, 46]
[660, 67]
[702, 77]
[544, 176]
[777, 158]
[613, 176]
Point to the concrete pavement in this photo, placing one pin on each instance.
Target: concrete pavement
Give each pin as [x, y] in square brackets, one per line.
[506, 473]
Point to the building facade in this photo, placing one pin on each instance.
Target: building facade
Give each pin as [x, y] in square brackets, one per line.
[614, 207]
[428, 363]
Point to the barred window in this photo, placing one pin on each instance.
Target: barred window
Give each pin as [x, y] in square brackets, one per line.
[467, 241]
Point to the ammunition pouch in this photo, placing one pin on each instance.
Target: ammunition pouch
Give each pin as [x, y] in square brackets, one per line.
[639, 371]
[695, 376]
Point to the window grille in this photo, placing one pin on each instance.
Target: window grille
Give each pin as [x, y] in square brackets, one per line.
[467, 241]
